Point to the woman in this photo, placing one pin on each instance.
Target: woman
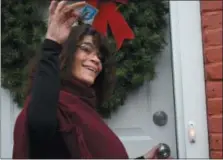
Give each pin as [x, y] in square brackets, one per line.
[59, 118]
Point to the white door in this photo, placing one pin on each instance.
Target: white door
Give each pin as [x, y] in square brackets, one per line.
[134, 123]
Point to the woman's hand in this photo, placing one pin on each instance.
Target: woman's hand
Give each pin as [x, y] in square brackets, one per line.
[61, 18]
[152, 154]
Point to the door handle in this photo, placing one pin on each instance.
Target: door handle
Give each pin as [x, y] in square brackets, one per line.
[163, 151]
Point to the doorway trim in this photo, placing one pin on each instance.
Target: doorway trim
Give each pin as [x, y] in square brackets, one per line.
[189, 80]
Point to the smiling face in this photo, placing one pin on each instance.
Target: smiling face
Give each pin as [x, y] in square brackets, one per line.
[87, 62]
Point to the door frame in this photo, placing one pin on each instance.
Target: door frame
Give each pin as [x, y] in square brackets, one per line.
[187, 59]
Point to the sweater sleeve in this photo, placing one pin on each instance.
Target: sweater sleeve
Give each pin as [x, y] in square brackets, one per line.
[42, 121]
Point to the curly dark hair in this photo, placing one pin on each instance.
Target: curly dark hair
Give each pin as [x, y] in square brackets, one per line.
[104, 83]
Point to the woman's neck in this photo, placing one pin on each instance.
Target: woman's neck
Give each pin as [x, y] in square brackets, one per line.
[80, 89]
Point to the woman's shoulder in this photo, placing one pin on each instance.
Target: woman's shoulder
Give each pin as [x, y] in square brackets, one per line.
[22, 116]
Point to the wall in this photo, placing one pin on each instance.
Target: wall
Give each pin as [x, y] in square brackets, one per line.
[9, 112]
[211, 12]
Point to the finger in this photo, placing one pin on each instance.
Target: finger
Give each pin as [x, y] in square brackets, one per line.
[73, 7]
[72, 19]
[153, 151]
[77, 5]
[53, 6]
[60, 6]
[77, 14]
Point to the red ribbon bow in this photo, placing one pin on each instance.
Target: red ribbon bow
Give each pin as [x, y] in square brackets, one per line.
[108, 14]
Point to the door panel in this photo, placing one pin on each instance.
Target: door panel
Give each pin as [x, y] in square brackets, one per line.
[133, 122]
[6, 124]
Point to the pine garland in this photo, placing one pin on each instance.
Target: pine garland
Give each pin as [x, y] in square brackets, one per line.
[23, 28]
[137, 58]
[22, 31]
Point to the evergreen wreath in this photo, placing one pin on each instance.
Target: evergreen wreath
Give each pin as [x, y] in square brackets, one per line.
[23, 29]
